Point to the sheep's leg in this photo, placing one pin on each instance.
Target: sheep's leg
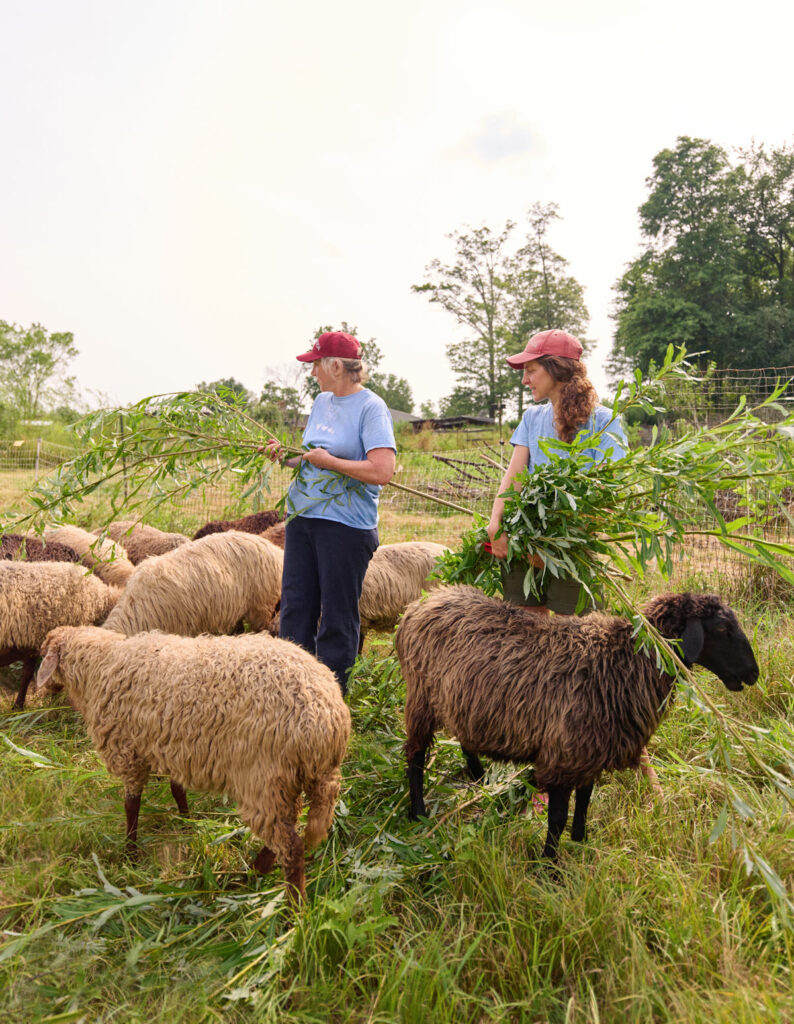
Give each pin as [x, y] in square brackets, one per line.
[649, 772]
[132, 806]
[28, 668]
[295, 869]
[559, 797]
[275, 820]
[416, 783]
[578, 826]
[179, 794]
[264, 860]
[474, 764]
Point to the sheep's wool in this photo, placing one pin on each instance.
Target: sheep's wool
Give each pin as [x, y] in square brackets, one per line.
[205, 586]
[251, 716]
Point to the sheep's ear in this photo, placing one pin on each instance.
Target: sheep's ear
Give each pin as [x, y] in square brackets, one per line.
[48, 666]
[692, 640]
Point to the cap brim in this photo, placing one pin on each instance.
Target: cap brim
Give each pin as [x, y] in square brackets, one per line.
[519, 360]
[309, 357]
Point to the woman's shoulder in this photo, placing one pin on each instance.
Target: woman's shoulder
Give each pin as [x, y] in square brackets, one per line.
[537, 415]
[603, 414]
[371, 398]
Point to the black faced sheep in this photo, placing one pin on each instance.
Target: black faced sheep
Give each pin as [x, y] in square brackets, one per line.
[568, 694]
[257, 718]
[140, 541]
[30, 548]
[205, 586]
[106, 558]
[37, 596]
[255, 523]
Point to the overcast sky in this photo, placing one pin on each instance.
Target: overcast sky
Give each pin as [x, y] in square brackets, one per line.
[192, 186]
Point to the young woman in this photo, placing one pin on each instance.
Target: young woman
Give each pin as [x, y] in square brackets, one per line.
[333, 502]
[565, 406]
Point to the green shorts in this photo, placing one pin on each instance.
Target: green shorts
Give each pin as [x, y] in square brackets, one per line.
[560, 596]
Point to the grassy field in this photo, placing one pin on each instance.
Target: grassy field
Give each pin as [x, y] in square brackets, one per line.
[447, 921]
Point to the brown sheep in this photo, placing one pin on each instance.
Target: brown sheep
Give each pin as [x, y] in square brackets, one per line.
[32, 549]
[276, 534]
[569, 694]
[255, 523]
[256, 718]
[141, 541]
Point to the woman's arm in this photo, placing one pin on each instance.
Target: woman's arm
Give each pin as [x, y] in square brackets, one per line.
[518, 461]
[377, 468]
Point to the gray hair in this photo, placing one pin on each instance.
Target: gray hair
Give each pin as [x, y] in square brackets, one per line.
[356, 369]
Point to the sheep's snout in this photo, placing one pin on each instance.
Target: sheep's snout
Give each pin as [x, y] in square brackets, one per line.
[727, 653]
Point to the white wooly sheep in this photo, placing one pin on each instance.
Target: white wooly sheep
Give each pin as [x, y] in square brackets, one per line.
[257, 718]
[205, 586]
[35, 597]
[396, 575]
[141, 541]
[106, 558]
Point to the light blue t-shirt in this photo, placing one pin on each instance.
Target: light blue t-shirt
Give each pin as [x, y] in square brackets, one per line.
[348, 427]
[538, 422]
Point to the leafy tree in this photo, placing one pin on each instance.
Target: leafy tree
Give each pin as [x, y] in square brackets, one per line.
[229, 389]
[476, 290]
[717, 271]
[501, 295]
[395, 391]
[279, 405]
[8, 420]
[544, 295]
[463, 401]
[33, 367]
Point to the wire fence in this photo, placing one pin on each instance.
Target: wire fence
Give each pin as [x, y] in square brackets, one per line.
[712, 398]
[435, 492]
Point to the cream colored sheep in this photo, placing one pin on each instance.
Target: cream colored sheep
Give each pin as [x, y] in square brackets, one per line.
[37, 596]
[205, 586]
[141, 541]
[250, 716]
[107, 559]
[396, 576]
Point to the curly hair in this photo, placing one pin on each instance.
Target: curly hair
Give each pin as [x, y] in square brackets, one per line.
[577, 395]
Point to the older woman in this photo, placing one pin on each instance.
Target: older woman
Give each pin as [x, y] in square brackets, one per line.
[333, 505]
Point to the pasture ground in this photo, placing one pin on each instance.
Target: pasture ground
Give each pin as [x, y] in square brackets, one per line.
[452, 920]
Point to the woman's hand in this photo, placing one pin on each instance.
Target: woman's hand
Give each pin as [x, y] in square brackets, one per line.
[498, 544]
[272, 450]
[319, 457]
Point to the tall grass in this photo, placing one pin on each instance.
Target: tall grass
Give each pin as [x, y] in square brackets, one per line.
[455, 920]
[452, 920]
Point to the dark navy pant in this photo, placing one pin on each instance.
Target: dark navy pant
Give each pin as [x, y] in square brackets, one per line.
[324, 567]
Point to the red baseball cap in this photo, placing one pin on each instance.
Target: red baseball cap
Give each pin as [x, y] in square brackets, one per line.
[334, 345]
[547, 343]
